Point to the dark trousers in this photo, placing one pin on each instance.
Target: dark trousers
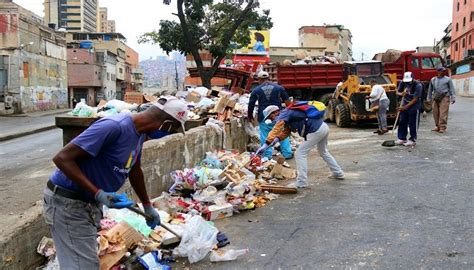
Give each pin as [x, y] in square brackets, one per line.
[409, 119]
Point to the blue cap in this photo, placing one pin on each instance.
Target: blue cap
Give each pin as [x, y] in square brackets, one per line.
[441, 69]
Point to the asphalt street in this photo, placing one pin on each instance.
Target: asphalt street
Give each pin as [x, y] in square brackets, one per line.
[26, 165]
[399, 208]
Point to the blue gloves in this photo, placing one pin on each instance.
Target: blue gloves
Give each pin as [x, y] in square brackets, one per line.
[265, 146]
[151, 211]
[112, 199]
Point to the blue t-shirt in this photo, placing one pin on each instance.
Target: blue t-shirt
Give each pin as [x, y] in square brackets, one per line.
[412, 90]
[267, 94]
[114, 145]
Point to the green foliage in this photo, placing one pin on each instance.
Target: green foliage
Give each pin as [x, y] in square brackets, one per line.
[211, 26]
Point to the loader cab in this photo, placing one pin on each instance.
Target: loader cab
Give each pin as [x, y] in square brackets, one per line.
[366, 71]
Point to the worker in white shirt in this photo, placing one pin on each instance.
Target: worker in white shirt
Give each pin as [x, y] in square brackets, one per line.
[379, 98]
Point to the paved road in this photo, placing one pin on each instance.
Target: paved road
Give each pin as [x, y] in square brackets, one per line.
[25, 166]
[397, 209]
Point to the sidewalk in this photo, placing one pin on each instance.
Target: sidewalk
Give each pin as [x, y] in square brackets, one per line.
[15, 126]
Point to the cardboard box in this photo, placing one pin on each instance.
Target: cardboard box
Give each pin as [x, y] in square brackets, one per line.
[279, 171]
[193, 97]
[219, 211]
[221, 104]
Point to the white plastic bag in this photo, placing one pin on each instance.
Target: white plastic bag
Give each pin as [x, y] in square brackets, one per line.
[227, 255]
[198, 238]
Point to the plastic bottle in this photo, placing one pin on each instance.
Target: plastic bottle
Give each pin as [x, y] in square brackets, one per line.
[227, 255]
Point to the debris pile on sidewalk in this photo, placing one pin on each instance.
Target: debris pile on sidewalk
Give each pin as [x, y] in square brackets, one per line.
[223, 184]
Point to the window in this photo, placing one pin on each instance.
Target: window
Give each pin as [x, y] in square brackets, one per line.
[458, 6]
[414, 63]
[464, 43]
[430, 62]
[469, 40]
[456, 47]
[465, 2]
[108, 76]
[457, 27]
[464, 22]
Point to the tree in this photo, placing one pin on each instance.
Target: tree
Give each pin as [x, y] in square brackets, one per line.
[205, 25]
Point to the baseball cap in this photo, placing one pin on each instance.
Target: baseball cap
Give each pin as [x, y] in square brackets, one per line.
[269, 110]
[407, 76]
[441, 69]
[263, 75]
[175, 108]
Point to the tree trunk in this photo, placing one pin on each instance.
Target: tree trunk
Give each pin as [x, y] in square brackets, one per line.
[206, 80]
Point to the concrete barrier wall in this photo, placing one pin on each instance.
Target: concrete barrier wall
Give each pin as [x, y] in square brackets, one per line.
[159, 158]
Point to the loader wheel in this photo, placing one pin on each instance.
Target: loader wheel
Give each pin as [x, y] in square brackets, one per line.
[331, 110]
[343, 117]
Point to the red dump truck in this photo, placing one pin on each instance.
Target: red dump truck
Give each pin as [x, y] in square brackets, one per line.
[318, 81]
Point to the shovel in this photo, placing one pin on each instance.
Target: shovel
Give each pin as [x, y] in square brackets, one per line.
[148, 217]
[391, 143]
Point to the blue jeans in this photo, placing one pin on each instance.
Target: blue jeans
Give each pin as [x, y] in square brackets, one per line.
[284, 145]
[409, 119]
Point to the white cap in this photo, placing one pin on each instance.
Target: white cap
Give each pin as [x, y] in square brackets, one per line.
[263, 75]
[407, 76]
[175, 108]
[269, 110]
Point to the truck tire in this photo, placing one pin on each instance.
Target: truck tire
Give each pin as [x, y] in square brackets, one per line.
[342, 115]
[331, 110]
[325, 98]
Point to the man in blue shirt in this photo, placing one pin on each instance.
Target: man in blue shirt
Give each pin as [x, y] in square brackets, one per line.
[411, 92]
[268, 94]
[91, 168]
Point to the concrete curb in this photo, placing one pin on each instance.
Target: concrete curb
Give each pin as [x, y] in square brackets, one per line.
[25, 133]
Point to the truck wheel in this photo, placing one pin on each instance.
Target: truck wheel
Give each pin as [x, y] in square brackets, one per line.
[331, 110]
[343, 117]
[325, 98]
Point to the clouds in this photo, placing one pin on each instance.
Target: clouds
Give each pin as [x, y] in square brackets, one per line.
[376, 25]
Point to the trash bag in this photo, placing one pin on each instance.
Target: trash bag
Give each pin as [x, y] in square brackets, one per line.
[198, 239]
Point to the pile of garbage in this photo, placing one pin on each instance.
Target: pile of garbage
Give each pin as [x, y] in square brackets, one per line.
[224, 183]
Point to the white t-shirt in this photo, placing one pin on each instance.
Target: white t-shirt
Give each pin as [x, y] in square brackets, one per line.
[378, 93]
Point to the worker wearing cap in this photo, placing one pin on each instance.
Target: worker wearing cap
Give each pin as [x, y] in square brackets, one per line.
[441, 91]
[268, 94]
[91, 168]
[316, 133]
[411, 92]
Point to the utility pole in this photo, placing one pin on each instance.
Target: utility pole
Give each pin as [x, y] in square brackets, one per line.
[362, 57]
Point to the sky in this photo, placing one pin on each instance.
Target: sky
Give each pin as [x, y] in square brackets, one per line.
[376, 25]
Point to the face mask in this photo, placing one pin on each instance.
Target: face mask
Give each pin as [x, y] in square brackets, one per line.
[157, 134]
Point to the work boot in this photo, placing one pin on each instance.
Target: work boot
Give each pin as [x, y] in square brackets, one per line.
[298, 184]
[442, 131]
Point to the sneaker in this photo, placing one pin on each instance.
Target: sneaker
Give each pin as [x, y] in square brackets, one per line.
[298, 184]
[400, 142]
[336, 176]
[410, 143]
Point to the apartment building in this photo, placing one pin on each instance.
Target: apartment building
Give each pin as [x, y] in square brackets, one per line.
[72, 15]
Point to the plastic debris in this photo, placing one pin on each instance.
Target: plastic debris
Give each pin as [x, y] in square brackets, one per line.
[221, 255]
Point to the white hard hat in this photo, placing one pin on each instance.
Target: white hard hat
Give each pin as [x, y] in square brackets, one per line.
[407, 76]
[263, 75]
[175, 108]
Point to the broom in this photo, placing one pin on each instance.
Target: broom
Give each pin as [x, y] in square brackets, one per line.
[391, 143]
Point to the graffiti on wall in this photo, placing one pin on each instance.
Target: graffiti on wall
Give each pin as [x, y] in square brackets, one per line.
[43, 98]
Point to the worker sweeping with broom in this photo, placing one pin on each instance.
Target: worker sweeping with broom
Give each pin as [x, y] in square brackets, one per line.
[411, 92]
[307, 119]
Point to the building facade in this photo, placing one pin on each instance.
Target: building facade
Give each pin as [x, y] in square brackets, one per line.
[72, 15]
[462, 48]
[85, 76]
[33, 64]
[335, 38]
[104, 25]
[444, 45]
